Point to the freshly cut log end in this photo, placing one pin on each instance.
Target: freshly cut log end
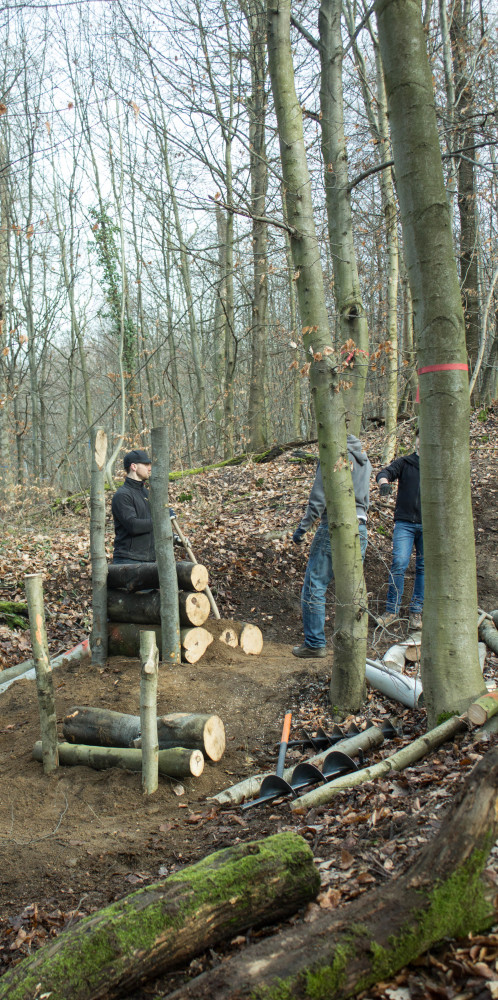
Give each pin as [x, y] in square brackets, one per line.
[196, 763]
[194, 607]
[250, 637]
[142, 576]
[484, 708]
[194, 642]
[192, 576]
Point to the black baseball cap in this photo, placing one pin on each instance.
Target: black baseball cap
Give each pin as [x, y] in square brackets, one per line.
[138, 457]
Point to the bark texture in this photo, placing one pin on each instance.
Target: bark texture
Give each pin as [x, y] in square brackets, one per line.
[451, 674]
[102, 727]
[345, 951]
[348, 674]
[98, 641]
[142, 935]
[176, 762]
[142, 576]
[163, 539]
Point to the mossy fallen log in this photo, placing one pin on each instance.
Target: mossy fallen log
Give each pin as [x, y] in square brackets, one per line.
[445, 893]
[14, 614]
[164, 925]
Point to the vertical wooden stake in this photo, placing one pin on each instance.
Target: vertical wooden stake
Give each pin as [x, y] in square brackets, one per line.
[163, 539]
[44, 678]
[98, 639]
[149, 658]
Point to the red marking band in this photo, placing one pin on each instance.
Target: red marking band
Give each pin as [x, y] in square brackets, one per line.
[442, 368]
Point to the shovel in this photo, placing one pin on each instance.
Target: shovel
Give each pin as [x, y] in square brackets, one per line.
[275, 785]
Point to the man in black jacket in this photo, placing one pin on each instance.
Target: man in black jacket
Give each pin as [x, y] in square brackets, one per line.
[134, 541]
[407, 534]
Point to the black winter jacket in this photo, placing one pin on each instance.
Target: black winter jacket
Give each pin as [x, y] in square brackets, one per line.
[133, 523]
[407, 471]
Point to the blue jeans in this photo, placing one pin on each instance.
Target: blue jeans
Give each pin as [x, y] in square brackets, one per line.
[405, 536]
[318, 575]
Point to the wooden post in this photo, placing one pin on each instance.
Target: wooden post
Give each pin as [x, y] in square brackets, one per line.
[163, 538]
[149, 656]
[44, 678]
[98, 639]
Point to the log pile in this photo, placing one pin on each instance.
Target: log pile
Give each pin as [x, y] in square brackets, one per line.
[133, 603]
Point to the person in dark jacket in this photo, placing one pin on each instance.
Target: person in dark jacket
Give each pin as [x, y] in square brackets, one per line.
[134, 536]
[319, 570]
[407, 535]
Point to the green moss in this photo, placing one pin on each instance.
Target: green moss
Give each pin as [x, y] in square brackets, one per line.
[444, 717]
[325, 982]
[282, 989]
[139, 920]
[457, 906]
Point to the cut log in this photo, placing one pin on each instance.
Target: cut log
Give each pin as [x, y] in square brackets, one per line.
[143, 576]
[223, 631]
[112, 952]
[123, 638]
[489, 634]
[194, 641]
[194, 608]
[396, 762]
[249, 636]
[444, 894]
[176, 762]
[484, 708]
[249, 787]
[145, 609]
[102, 727]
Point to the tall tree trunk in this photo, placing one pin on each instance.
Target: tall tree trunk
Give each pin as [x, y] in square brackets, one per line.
[6, 478]
[255, 14]
[465, 111]
[353, 320]
[450, 664]
[347, 685]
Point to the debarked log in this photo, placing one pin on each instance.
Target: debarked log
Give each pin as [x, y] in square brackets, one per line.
[102, 727]
[176, 762]
[162, 926]
[445, 893]
[146, 608]
[143, 576]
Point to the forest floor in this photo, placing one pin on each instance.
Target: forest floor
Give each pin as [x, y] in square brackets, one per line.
[77, 840]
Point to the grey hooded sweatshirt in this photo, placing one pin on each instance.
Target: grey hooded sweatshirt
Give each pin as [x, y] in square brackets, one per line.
[360, 471]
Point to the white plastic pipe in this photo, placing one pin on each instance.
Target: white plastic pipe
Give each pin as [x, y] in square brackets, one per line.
[26, 670]
[406, 690]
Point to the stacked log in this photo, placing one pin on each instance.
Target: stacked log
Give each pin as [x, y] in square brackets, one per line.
[133, 601]
[105, 728]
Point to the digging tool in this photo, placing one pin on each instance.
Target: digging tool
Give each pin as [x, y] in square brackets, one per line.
[335, 764]
[188, 549]
[275, 785]
[320, 741]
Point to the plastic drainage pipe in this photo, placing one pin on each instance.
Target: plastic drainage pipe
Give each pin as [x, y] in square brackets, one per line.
[400, 687]
[26, 670]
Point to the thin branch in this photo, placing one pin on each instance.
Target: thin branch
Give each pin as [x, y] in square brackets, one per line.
[255, 218]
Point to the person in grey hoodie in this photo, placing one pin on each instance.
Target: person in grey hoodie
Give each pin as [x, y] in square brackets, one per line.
[319, 570]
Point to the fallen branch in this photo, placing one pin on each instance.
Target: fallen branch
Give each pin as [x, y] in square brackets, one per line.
[484, 708]
[445, 893]
[403, 758]
[489, 634]
[247, 789]
[164, 925]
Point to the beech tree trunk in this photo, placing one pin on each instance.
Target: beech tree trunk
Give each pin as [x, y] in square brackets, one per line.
[44, 678]
[145, 609]
[176, 762]
[351, 620]
[143, 576]
[443, 894]
[164, 925]
[451, 674]
[104, 728]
